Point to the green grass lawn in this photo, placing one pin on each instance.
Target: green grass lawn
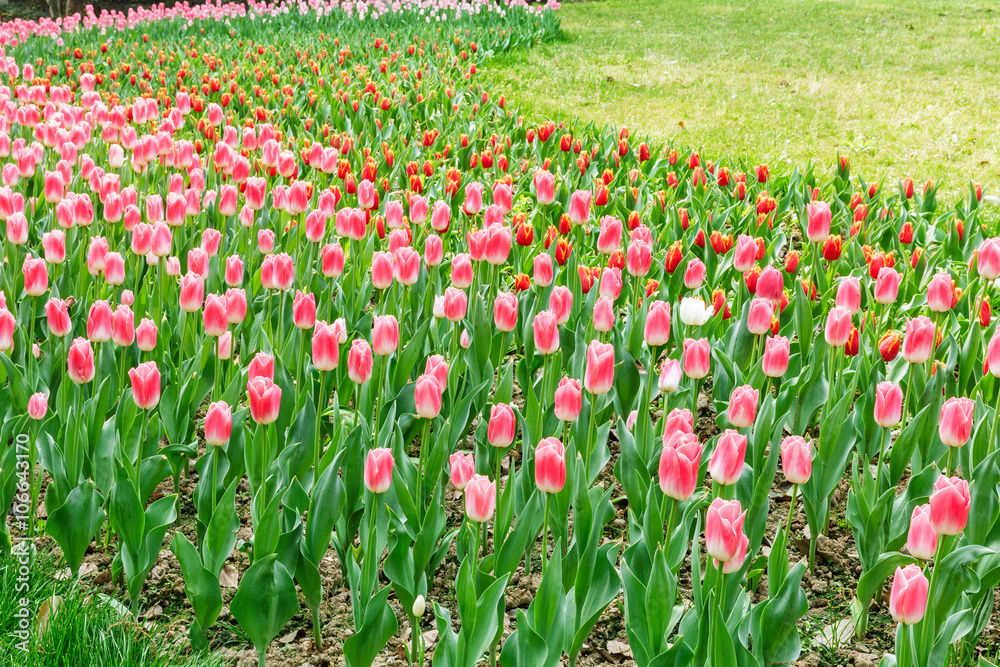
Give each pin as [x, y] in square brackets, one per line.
[905, 88]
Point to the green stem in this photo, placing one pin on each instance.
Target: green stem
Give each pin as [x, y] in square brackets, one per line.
[215, 468]
[496, 511]
[317, 629]
[886, 436]
[424, 438]
[545, 531]
[670, 529]
[590, 432]
[414, 641]
[791, 511]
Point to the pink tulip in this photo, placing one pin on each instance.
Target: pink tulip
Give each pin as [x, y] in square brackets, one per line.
[818, 228]
[545, 191]
[236, 305]
[742, 406]
[745, 253]
[38, 406]
[145, 335]
[234, 271]
[670, 376]
[498, 244]
[57, 317]
[463, 467]
[657, 331]
[796, 459]
[887, 285]
[54, 244]
[145, 385]
[604, 314]
[473, 198]
[461, 270]
[332, 260]
[360, 361]
[561, 303]
[262, 365]
[215, 316]
[696, 357]
[724, 529]
[418, 209]
[480, 499]
[304, 310]
[427, 396]
[192, 292]
[385, 335]
[36, 276]
[505, 311]
[726, 464]
[99, 325]
[218, 424]
[440, 217]
[679, 464]
[433, 251]
[611, 282]
[325, 347]
[542, 270]
[918, 343]
[80, 361]
[922, 539]
[770, 284]
[265, 400]
[993, 355]
[609, 239]
[838, 327]
[776, 353]
[546, 332]
[988, 259]
[550, 466]
[759, 317]
[694, 274]
[502, 426]
[455, 304]
[888, 404]
[849, 294]
[568, 400]
[7, 324]
[600, 372]
[950, 505]
[908, 597]
[940, 291]
[437, 366]
[579, 207]
[224, 346]
[378, 470]
[122, 326]
[955, 425]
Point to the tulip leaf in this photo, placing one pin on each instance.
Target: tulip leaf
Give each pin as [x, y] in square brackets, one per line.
[200, 586]
[361, 648]
[74, 524]
[779, 642]
[870, 582]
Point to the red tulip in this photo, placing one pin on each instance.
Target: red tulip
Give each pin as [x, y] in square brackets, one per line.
[265, 400]
[600, 372]
[550, 466]
[679, 462]
[145, 385]
[378, 470]
[726, 464]
[480, 498]
[908, 597]
[796, 459]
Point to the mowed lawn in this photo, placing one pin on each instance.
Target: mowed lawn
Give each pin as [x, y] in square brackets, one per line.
[904, 88]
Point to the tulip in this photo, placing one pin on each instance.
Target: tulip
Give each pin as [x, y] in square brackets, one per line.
[742, 406]
[360, 361]
[234, 271]
[724, 529]
[796, 459]
[568, 400]
[922, 539]
[918, 343]
[950, 505]
[670, 376]
[145, 335]
[437, 366]
[694, 312]
[7, 324]
[145, 385]
[122, 326]
[480, 498]
[696, 357]
[760, 316]
[99, 325]
[265, 400]
[192, 292]
[57, 317]
[455, 304]
[638, 258]
[378, 470]
[215, 315]
[888, 404]
[604, 314]
[542, 270]
[838, 326]
[463, 467]
[694, 274]
[54, 244]
[236, 305]
[505, 311]
[38, 406]
[325, 347]
[818, 229]
[550, 466]
[600, 371]
[657, 331]
[849, 294]
[609, 238]
[726, 464]
[746, 253]
[940, 291]
[955, 425]
[36, 276]
[218, 424]
[579, 207]
[546, 332]
[332, 257]
[561, 303]
[502, 426]
[473, 198]
[992, 355]
[544, 187]
[770, 284]
[80, 361]
[224, 347]
[887, 285]
[776, 353]
[427, 396]
[262, 365]
[988, 259]
[908, 597]
[611, 282]
[679, 462]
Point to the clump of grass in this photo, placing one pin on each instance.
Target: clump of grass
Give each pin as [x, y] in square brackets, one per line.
[86, 628]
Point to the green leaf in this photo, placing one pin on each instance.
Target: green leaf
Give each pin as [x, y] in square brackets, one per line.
[74, 524]
[200, 586]
[265, 601]
[361, 648]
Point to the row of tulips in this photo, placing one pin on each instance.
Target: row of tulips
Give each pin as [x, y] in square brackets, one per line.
[310, 254]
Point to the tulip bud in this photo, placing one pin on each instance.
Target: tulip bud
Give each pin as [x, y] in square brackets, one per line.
[908, 597]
